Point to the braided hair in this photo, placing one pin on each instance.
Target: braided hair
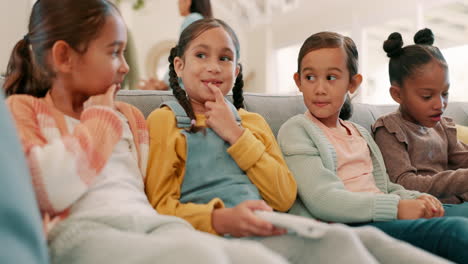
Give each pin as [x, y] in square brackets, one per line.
[180, 93]
[190, 33]
[237, 91]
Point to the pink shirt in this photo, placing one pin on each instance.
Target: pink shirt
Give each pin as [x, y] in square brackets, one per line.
[354, 163]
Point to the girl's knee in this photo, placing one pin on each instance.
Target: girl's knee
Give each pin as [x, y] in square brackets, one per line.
[456, 226]
[188, 251]
[342, 233]
[371, 234]
[242, 251]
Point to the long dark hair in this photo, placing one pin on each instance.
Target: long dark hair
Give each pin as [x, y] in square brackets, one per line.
[203, 7]
[405, 61]
[190, 33]
[323, 40]
[76, 22]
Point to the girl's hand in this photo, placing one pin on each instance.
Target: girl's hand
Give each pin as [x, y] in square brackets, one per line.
[415, 209]
[152, 84]
[240, 221]
[219, 117]
[437, 207]
[106, 99]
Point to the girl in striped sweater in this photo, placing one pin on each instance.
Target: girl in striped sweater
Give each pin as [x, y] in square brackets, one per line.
[87, 153]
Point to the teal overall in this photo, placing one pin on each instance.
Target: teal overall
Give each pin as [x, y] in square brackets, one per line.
[210, 171]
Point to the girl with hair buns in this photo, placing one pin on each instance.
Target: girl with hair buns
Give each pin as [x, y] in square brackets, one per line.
[419, 145]
[339, 169]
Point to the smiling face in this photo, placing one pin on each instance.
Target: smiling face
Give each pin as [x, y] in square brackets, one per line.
[209, 58]
[423, 97]
[324, 81]
[103, 63]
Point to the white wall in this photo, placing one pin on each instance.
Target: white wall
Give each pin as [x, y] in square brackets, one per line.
[337, 15]
[350, 16]
[259, 58]
[14, 15]
[159, 20]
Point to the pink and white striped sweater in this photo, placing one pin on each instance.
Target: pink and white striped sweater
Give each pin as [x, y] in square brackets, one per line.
[63, 164]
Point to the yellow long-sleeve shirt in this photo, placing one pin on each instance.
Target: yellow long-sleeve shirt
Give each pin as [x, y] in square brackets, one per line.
[255, 152]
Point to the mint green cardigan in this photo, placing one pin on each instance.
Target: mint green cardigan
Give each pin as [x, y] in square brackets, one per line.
[321, 193]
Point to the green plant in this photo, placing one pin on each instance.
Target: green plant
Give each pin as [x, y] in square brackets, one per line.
[137, 4]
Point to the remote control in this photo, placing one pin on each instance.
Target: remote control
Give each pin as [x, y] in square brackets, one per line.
[299, 225]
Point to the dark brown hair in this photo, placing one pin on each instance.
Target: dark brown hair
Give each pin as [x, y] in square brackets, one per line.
[406, 61]
[203, 7]
[190, 33]
[76, 22]
[326, 39]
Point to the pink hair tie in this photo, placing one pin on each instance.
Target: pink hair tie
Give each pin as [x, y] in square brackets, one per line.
[193, 122]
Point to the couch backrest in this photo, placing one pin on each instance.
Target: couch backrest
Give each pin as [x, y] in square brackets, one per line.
[276, 109]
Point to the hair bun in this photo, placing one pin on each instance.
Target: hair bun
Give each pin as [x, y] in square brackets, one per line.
[393, 46]
[424, 37]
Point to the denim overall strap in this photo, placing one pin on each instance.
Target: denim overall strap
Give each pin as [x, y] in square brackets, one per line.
[234, 111]
[184, 121]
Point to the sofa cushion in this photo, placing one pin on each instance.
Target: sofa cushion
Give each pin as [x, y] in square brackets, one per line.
[458, 111]
[144, 100]
[276, 109]
[364, 114]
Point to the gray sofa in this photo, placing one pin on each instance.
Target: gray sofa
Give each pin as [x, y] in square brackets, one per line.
[276, 109]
